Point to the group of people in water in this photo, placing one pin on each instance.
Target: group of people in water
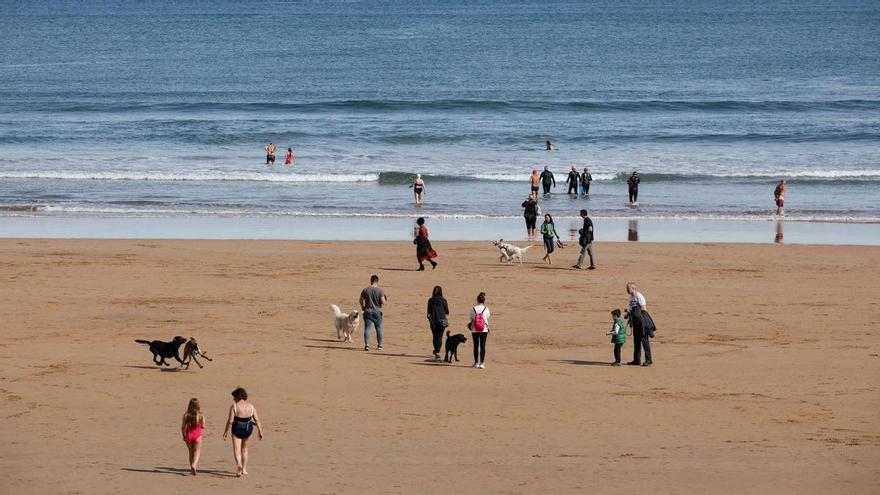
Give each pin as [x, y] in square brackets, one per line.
[271, 149]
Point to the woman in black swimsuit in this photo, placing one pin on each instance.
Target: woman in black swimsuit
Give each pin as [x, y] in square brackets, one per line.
[242, 419]
[418, 186]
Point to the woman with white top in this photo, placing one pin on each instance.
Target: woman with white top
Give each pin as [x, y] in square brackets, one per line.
[479, 326]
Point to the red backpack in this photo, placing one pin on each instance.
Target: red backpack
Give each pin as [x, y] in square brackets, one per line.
[479, 324]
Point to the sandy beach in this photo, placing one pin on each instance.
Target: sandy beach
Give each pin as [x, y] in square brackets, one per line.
[767, 361]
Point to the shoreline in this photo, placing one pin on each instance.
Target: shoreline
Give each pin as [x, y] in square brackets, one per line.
[338, 228]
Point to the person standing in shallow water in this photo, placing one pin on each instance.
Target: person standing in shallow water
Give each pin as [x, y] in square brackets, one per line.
[418, 187]
[586, 180]
[438, 318]
[572, 181]
[424, 250]
[547, 179]
[633, 186]
[270, 153]
[242, 419]
[779, 195]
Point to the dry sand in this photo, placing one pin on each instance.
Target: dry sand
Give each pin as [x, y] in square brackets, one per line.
[765, 376]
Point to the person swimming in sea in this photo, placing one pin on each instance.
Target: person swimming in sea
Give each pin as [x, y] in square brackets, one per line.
[418, 187]
[550, 147]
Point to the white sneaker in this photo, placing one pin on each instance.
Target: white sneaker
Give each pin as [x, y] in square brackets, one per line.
[475, 365]
[482, 366]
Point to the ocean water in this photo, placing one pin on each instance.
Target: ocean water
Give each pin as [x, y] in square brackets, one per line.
[162, 108]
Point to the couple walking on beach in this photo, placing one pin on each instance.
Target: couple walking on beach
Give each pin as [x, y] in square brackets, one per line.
[241, 422]
[478, 324]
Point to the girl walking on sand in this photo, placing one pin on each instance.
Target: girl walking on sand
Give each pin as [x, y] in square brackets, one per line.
[479, 326]
[548, 231]
[191, 429]
[242, 419]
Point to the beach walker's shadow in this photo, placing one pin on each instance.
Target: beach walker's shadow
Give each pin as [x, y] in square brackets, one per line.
[398, 269]
[584, 363]
[329, 341]
[336, 347]
[441, 364]
[180, 471]
[167, 369]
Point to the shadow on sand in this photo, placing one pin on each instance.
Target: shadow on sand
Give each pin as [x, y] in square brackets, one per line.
[167, 369]
[180, 471]
[335, 347]
[585, 363]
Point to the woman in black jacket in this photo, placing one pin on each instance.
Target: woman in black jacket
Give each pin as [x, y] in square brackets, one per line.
[438, 311]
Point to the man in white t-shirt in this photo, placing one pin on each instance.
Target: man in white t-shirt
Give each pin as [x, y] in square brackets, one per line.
[637, 304]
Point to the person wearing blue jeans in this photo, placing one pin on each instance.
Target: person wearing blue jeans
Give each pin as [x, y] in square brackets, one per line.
[372, 301]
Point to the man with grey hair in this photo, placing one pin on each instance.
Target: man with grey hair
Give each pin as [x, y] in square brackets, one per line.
[641, 337]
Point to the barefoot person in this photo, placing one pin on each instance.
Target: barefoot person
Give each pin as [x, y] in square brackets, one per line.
[548, 232]
[479, 326]
[372, 301]
[270, 153]
[633, 186]
[779, 195]
[242, 419]
[191, 429]
[530, 213]
[418, 187]
[534, 180]
[438, 318]
[288, 160]
[424, 251]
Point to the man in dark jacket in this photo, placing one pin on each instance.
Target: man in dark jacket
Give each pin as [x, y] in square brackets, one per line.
[633, 183]
[586, 242]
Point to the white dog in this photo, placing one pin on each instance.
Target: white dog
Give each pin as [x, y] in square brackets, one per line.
[510, 253]
[346, 324]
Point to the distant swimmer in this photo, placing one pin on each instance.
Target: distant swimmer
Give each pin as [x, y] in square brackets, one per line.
[633, 184]
[534, 180]
[586, 179]
[270, 153]
[288, 160]
[547, 179]
[550, 147]
[779, 194]
[572, 181]
[418, 187]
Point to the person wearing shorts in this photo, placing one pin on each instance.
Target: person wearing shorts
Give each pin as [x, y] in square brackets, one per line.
[530, 213]
[534, 182]
[270, 153]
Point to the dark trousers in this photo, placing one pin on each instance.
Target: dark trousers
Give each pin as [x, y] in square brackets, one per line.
[587, 187]
[617, 353]
[437, 329]
[572, 188]
[546, 187]
[634, 196]
[640, 341]
[479, 346]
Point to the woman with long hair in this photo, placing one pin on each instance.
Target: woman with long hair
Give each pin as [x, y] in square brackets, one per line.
[242, 419]
[479, 326]
[438, 313]
[548, 232]
[191, 429]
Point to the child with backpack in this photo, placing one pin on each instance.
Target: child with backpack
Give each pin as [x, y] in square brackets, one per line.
[618, 335]
[479, 327]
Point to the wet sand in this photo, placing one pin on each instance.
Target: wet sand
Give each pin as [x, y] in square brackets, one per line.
[767, 361]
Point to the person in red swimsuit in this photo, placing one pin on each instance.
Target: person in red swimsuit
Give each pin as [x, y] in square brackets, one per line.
[288, 160]
[191, 430]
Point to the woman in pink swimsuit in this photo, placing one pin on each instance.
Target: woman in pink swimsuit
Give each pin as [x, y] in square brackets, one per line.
[191, 430]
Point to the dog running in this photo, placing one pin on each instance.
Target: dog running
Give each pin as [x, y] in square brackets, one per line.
[346, 324]
[164, 350]
[190, 351]
[509, 252]
[452, 343]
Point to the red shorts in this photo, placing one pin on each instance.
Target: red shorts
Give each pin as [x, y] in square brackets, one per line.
[780, 202]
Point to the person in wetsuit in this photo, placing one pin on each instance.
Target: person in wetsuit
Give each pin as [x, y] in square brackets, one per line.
[586, 179]
[572, 181]
[530, 213]
[633, 183]
[547, 179]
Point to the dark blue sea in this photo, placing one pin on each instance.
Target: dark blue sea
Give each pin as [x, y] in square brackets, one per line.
[162, 108]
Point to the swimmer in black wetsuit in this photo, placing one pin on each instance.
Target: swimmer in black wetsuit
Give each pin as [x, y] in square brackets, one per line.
[546, 179]
[550, 146]
[633, 183]
[530, 213]
[572, 181]
[586, 179]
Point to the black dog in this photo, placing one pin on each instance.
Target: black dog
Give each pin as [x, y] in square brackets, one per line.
[162, 350]
[452, 342]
